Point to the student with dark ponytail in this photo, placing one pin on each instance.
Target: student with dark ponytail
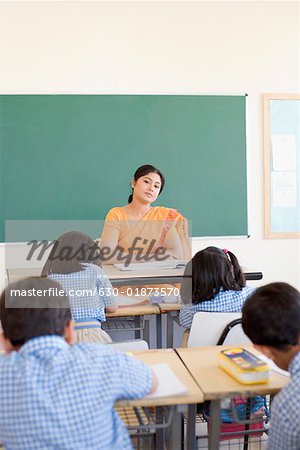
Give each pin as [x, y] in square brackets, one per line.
[213, 282]
[149, 227]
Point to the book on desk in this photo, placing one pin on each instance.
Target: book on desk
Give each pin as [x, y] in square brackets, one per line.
[244, 366]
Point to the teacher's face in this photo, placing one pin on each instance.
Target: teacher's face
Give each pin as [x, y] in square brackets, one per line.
[147, 188]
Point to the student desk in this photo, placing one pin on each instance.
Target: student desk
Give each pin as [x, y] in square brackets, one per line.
[192, 396]
[147, 277]
[216, 384]
[138, 312]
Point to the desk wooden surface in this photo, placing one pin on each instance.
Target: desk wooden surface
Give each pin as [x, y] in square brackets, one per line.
[170, 357]
[15, 274]
[140, 310]
[202, 363]
[169, 307]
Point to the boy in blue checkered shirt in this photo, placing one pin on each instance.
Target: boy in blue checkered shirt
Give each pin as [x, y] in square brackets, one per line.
[271, 319]
[54, 395]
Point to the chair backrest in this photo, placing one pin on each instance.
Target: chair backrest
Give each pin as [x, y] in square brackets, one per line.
[129, 346]
[207, 328]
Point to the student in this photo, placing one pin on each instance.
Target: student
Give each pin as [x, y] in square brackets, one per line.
[214, 282]
[54, 395]
[74, 262]
[271, 319]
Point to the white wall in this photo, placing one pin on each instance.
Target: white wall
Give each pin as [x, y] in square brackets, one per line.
[166, 47]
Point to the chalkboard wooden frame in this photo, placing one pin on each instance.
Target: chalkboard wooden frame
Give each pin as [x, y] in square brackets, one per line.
[268, 156]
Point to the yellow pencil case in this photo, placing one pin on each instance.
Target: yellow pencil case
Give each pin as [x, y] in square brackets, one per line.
[243, 366]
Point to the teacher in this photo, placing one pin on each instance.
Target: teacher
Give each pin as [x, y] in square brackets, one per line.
[138, 228]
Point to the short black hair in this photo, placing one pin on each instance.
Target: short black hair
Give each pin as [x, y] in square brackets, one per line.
[271, 316]
[210, 270]
[70, 251]
[25, 316]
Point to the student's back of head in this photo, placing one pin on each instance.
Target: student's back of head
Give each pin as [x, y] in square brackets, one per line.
[31, 308]
[70, 251]
[209, 271]
[271, 316]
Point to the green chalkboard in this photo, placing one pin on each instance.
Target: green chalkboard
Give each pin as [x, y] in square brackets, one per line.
[73, 156]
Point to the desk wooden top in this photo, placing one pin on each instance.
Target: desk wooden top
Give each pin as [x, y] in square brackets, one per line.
[202, 363]
[15, 274]
[140, 310]
[169, 356]
[168, 307]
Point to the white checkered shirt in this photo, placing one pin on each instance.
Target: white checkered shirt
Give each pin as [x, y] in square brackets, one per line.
[224, 301]
[59, 397]
[89, 292]
[285, 413]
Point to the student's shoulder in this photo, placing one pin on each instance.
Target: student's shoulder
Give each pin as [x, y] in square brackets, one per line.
[8, 363]
[248, 290]
[286, 402]
[93, 269]
[94, 352]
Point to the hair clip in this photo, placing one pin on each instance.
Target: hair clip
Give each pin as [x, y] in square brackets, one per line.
[225, 250]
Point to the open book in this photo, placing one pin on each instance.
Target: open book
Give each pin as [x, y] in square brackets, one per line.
[168, 382]
[153, 265]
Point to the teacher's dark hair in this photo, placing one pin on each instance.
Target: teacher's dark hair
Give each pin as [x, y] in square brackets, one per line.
[143, 171]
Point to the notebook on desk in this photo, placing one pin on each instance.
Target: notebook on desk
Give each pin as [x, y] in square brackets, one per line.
[168, 382]
[153, 265]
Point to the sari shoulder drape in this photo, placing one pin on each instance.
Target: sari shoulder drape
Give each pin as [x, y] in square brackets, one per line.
[155, 225]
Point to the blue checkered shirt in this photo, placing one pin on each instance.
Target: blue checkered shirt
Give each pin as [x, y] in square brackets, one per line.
[285, 413]
[59, 397]
[89, 292]
[224, 301]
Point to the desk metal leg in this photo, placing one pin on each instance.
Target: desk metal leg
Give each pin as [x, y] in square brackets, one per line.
[158, 331]
[175, 438]
[191, 443]
[137, 334]
[215, 425]
[170, 328]
[146, 332]
[160, 436]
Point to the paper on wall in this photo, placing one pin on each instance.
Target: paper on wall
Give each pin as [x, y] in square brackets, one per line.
[284, 152]
[284, 189]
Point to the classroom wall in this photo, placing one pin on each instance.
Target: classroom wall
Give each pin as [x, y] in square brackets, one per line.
[165, 47]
